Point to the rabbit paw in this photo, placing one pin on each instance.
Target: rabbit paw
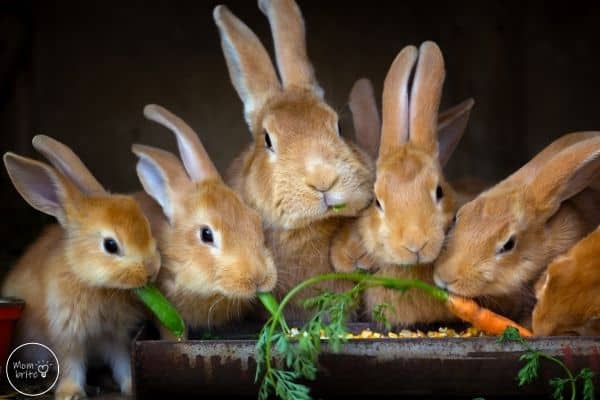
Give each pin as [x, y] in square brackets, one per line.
[69, 390]
[348, 254]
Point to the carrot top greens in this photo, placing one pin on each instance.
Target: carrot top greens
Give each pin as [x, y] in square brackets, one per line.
[299, 353]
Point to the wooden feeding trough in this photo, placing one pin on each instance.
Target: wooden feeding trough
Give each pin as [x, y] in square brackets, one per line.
[420, 367]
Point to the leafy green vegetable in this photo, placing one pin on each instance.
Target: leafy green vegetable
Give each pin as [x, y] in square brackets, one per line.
[338, 207]
[162, 308]
[379, 314]
[530, 371]
[300, 352]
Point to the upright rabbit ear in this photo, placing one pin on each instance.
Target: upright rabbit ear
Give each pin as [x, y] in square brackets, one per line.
[566, 174]
[195, 158]
[162, 177]
[367, 125]
[289, 38]
[40, 186]
[250, 68]
[395, 103]
[67, 163]
[451, 127]
[425, 98]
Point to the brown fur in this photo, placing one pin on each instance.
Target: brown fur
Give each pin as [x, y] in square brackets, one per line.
[545, 220]
[410, 226]
[209, 284]
[310, 168]
[569, 292]
[73, 288]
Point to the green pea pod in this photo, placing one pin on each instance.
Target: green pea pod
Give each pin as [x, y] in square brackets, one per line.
[162, 308]
[268, 301]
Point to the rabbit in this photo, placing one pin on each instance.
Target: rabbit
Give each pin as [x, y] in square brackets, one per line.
[299, 173]
[75, 277]
[503, 240]
[212, 244]
[568, 293]
[402, 233]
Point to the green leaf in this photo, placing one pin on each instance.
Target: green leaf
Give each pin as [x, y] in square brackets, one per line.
[530, 371]
[510, 334]
[558, 384]
[380, 315]
[587, 376]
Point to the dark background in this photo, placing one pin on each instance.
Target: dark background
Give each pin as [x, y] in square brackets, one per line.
[82, 71]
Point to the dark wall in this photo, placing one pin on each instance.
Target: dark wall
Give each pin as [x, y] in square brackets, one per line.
[82, 72]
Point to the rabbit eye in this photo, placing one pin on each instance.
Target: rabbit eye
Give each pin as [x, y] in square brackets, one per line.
[508, 246]
[339, 128]
[206, 235]
[268, 142]
[439, 193]
[111, 246]
[378, 204]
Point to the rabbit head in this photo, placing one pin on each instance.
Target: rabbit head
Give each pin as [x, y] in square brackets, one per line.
[108, 231]
[414, 205]
[502, 240]
[298, 169]
[212, 243]
[567, 296]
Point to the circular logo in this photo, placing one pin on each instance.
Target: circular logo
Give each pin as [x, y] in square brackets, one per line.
[32, 369]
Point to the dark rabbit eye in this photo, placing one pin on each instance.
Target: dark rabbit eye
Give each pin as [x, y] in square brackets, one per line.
[206, 235]
[111, 246]
[439, 193]
[268, 142]
[378, 204]
[508, 246]
[339, 128]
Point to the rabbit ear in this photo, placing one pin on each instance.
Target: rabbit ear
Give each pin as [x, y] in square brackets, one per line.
[250, 68]
[425, 98]
[451, 127]
[161, 175]
[566, 174]
[41, 186]
[395, 106]
[524, 174]
[289, 38]
[67, 163]
[195, 158]
[365, 116]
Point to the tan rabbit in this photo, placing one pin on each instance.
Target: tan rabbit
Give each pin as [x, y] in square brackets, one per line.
[298, 172]
[402, 233]
[503, 240]
[568, 293]
[74, 278]
[212, 244]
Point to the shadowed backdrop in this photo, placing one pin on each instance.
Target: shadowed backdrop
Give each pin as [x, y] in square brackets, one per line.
[82, 72]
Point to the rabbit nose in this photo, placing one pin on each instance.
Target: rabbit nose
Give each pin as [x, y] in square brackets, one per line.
[416, 249]
[322, 178]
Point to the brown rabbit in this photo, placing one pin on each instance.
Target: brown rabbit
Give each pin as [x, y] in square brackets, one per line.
[403, 232]
[74, 278]
[211, 242]
[503, 240]
[299, 174]
[568, 293]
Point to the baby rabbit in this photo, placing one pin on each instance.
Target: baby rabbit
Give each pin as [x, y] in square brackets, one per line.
[568, 293]
[402, 233]
[298, 172]
[74, 277]
[503, 240]
[212, 244]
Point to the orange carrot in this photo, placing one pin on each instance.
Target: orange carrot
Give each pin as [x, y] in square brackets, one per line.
[482, 318]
